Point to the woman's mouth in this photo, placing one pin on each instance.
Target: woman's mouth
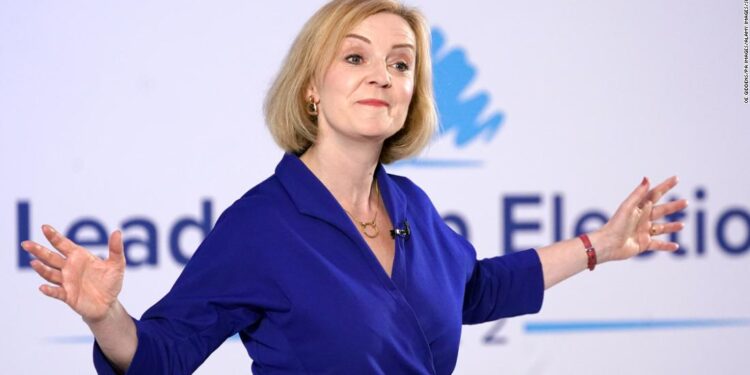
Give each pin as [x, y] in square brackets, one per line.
[373, 102]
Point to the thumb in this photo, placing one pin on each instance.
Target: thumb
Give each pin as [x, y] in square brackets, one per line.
[116, 248]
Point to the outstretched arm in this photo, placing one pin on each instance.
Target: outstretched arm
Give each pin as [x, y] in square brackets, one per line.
[631, 230]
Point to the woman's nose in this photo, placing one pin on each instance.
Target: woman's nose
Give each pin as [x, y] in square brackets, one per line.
[379, 75]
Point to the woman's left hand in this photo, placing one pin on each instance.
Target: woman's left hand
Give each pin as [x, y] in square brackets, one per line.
[635, 226]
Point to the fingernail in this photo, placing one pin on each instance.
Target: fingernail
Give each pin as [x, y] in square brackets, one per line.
[645, 180]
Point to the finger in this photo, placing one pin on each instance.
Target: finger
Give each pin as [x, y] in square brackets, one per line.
[663, 245]
[60, 242]
[672, 227]
[657, 192]
[668, 208]
[48, 273]
[658, 229]
[644, 222]
[634, 199]
[116, 248]
[53, 291]
[643, 228]
[47, 256]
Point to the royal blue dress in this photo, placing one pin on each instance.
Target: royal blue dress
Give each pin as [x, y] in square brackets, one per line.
[286, 268]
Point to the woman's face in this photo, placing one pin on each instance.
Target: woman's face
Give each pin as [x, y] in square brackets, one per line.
[365, 93]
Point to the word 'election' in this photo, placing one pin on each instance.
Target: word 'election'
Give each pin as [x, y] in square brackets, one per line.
[730, 228]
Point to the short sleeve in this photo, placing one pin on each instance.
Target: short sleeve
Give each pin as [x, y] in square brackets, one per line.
[504, 286]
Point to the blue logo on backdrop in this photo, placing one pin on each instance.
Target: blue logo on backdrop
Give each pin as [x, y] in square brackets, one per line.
[452, 75]
[461, 117]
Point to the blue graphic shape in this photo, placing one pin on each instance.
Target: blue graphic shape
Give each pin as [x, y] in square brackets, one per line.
[629, 325]
[452, 74]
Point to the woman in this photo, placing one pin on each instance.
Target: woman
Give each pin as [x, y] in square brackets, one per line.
[331, 265]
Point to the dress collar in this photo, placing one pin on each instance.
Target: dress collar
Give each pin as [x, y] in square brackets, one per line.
[312, 197]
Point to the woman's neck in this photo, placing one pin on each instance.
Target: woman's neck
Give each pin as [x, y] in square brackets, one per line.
[348, 173]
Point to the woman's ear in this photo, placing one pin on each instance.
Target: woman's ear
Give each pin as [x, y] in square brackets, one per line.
[312, 91]
[312, 99]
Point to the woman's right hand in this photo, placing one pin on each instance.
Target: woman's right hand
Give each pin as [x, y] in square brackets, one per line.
[88, 284]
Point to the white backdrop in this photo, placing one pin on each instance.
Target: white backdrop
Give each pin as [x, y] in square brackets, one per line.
[112, 112]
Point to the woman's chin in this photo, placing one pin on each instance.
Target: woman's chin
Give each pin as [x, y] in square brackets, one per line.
[378, 130]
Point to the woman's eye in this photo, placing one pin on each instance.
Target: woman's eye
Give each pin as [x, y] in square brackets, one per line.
[354, 59]
[401, 66]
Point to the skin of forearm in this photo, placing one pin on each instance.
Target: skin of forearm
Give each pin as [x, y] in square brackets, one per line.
[564, 259]
[116, 335]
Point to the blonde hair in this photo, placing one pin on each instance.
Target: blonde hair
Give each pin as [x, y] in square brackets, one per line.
[313, 50]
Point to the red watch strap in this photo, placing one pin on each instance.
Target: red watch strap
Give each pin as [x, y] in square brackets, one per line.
[590, 251]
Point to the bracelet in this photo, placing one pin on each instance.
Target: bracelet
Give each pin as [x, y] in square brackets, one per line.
[590, 251]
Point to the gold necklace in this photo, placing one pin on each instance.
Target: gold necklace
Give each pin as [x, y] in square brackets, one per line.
[373, 227]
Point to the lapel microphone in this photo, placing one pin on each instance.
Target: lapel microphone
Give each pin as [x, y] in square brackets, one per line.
[401, 232]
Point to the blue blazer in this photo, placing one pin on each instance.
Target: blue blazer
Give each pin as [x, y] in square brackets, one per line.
[286, 268]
